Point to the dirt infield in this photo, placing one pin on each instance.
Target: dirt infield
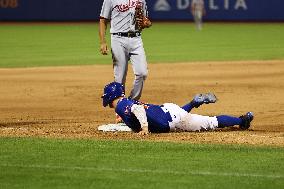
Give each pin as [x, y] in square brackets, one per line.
[65, 101]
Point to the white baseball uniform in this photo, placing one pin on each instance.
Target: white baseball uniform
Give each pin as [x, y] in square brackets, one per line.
[126, 42]
[184, 121]
[198, 8]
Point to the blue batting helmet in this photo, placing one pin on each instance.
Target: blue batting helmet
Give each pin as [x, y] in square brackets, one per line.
[111, 92]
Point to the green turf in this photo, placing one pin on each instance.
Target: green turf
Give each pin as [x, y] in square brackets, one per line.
[64, 163]
[216, 42]
[25, 45]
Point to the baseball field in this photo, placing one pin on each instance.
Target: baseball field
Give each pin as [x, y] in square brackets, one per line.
[51, 80]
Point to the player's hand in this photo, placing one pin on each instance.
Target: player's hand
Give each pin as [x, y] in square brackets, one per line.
[144, 131]
[104, 49]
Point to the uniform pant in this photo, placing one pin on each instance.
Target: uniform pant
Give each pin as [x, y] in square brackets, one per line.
[184, 121]
[198, 19]
[123, 50]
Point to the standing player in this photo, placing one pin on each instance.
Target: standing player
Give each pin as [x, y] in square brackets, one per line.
[127, 19]
[198, 11]
[144, 118]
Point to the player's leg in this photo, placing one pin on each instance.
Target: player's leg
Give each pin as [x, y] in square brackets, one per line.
[120, 59]
[194, 122]
[198, 100]
[139, 65]
[196, 19]
[199, 19]
[183, 121]
[228, 121]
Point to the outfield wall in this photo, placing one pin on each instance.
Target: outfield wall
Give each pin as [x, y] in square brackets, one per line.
[88, 10]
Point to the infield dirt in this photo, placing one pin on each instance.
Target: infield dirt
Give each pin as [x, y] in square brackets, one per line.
[65, 101]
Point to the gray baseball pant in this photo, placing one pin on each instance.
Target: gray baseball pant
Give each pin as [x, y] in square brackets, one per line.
[123, 50]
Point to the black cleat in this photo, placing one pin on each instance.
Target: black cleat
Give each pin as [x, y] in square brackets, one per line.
[246, 119]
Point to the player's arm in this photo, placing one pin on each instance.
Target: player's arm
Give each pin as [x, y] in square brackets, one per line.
[102, 35]
[147, 20]
[140, 113]
[192, 7]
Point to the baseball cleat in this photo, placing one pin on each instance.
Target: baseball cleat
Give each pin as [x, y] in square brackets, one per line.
[207, 98]
[246, 119]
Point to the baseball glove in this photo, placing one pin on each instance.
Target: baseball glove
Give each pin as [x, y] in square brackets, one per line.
[141, 20]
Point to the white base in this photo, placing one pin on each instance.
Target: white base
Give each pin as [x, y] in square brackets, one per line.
[114, 127]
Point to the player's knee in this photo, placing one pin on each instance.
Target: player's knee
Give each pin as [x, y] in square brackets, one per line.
[142, 75]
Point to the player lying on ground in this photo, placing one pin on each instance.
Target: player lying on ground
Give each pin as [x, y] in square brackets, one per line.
[144, 118]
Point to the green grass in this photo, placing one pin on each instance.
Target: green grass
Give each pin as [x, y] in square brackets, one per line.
[216, 42]
[66, 163]
[48, 45]
[61, 163]
[27, 45]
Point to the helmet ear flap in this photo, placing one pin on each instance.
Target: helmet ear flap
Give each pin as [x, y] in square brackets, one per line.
[111, 92]
[105, 100]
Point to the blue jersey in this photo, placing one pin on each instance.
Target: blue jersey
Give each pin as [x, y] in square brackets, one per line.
[158, 120]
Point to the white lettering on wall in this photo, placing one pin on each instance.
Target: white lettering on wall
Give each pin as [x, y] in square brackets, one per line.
[212, 5]
[241, 4]
[183, 4]
[237, 4]
[164, 5]
[226, 4]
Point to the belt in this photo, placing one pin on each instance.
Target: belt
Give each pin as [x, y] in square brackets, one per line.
[127, 34]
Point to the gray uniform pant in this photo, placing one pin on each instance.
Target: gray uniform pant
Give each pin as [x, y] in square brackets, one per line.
[125, 49]
[198, 19]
